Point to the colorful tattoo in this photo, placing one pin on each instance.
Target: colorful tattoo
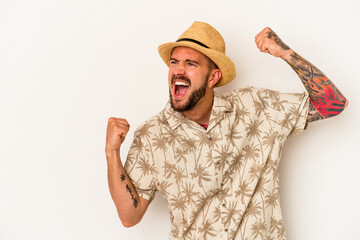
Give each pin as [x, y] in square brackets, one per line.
[128, 188]
[326, 99]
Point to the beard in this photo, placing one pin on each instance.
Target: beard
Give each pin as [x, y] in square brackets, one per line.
[194, 97]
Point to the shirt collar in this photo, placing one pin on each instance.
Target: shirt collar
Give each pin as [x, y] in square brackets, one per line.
[221, 105]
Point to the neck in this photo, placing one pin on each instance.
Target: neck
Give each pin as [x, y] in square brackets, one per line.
[201, 112]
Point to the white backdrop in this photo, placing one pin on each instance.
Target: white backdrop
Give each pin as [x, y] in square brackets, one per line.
[66, 66]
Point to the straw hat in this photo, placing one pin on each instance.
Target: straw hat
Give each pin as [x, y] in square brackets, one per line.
[207, 40]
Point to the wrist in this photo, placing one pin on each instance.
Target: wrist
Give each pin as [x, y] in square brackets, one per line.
[112, 154]
[287, 55]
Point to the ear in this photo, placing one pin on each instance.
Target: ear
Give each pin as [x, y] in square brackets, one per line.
[214, 77]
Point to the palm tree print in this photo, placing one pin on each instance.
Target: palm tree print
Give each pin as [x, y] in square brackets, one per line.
[163, 188]
[178, 203]
[258, 229]
[232, 135]
[208, 230]
[243, 191]
[272, 199]
[224, 177]
[287, 120]
[270, 138]
[253, 128]
[189, 193]
[251, 152]
[160, 143]
[146, 168]
[230, 213]
[254, 210]
[201, 174]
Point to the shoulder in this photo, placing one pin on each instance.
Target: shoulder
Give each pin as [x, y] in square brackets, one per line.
[152, 125]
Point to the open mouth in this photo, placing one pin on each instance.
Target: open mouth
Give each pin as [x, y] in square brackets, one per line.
[180, 88]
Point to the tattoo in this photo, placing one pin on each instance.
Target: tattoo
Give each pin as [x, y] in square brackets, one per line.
[326, 99]
[135, 201]
[128, 188]
[313, 114]
[122, 177]
[272, 35]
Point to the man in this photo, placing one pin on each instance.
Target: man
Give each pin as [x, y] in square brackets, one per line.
[215, 157]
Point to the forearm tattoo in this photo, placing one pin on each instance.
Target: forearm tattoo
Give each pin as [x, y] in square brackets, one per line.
[128, 188]
[326, 99]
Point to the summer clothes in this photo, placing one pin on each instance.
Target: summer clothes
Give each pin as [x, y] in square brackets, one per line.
[221, 182]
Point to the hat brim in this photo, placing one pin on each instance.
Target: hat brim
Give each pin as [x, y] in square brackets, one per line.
[226, 66]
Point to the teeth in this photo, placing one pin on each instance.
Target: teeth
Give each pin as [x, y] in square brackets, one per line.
[181, 84]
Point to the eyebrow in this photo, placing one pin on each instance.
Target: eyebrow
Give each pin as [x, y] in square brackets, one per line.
[187, 60]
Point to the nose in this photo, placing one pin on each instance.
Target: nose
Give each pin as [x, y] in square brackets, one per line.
[179, 68]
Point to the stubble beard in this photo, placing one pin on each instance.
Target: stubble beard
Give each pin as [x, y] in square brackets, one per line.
[193, 99]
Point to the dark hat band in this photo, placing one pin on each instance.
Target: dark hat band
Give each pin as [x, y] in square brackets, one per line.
[192, 40]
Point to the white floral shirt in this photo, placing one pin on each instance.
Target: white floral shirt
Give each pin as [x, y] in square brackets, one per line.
[221, 182]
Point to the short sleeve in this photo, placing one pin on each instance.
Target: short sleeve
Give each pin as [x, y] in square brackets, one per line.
[287, 112]
[140, 168]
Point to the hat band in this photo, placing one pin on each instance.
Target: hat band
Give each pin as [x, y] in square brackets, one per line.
[192, 40]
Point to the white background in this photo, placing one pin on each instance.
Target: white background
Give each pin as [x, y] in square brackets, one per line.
[66, 66]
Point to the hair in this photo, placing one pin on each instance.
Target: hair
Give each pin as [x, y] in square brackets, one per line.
[212, 65]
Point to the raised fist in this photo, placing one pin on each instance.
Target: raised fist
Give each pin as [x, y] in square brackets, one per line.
[116, 132]
[267, 41]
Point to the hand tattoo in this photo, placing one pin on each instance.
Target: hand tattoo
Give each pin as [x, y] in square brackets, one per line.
[272, 35]
[128, 188]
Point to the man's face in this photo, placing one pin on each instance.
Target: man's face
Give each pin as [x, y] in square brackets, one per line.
[188, 76]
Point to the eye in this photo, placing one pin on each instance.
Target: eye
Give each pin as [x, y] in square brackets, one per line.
[173, 61]
[191, 64]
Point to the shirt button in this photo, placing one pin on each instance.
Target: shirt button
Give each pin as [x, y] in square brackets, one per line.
[226, 229]
[222, 184]
[223, 204]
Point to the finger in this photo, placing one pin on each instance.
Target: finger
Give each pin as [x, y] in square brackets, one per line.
[114, 119]
[122, 132]
[118, 121]
[267, 30]
[117, 128]
[123, 124]
[124, 121]
[259, 35]
[260, 41]
[261, 32]
[258, 38]
[262, 46]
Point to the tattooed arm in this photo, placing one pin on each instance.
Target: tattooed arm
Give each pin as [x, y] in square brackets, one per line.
[325, 98]
[131, 208]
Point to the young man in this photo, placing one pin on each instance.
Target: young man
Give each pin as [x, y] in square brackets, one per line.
[213, 157]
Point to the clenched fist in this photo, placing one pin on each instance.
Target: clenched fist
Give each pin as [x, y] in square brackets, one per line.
[267, 41]
[116, 132]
